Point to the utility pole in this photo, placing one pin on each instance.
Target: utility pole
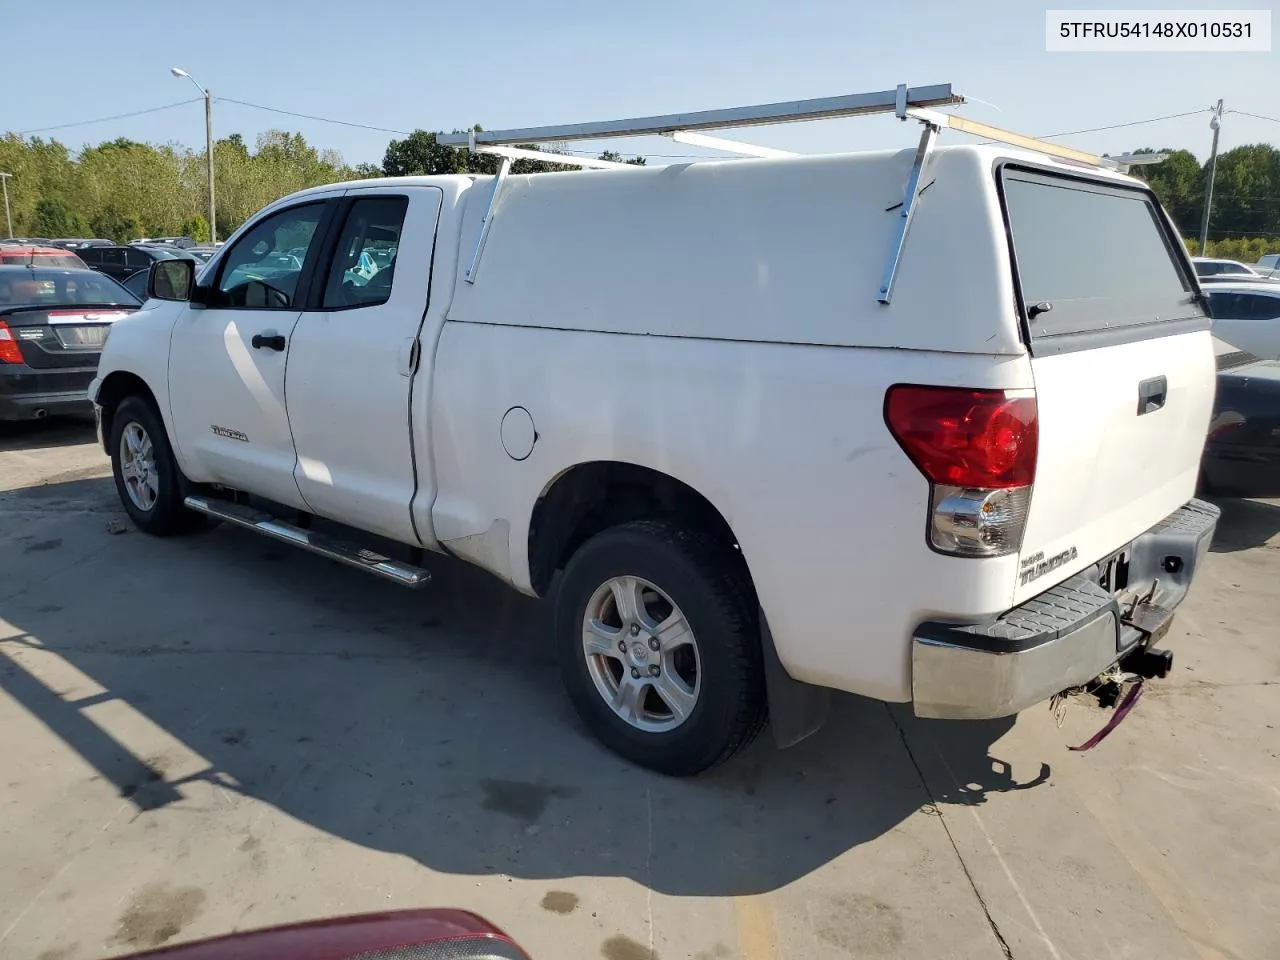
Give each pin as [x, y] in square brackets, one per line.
[208, 146]
[8, 219]
[1215, 122]
[208, 139]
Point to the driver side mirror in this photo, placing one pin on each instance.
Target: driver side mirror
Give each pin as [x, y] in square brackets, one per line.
[171, 280]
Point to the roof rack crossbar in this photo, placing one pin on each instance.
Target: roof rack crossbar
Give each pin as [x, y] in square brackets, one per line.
[822, 108]
[693, 139]
[546, 156]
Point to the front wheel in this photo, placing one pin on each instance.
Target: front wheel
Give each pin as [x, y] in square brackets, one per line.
[146, 475]
[659, 647]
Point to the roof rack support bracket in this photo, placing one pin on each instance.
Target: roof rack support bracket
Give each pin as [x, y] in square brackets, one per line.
[503, 169]
[910, 199]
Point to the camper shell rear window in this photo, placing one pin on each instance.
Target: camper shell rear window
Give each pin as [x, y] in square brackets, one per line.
[1099, 255]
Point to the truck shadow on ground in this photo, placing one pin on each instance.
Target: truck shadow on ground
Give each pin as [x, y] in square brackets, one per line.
[427, 724]
[1245, 524]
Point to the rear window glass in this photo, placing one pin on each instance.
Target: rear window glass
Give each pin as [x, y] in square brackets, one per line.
[43, 259]
[40, 288]
[1097, 255]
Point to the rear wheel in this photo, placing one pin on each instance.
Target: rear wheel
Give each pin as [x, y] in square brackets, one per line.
[147, 477]
[659, 648]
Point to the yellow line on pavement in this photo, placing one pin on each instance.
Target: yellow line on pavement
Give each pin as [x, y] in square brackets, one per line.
[757, 935]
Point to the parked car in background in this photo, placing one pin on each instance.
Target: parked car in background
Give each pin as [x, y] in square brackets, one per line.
[53, 323]
[39, 255]
[1242, 452]
[201, 253]
[180, 242]
[43, 241]
[121, 262]
[136, 283]
[1247, 316]
[1213, 270]
[1269, 265]
[76, 243]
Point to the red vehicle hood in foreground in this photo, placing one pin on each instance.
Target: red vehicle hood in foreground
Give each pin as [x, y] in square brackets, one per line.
[399, 935]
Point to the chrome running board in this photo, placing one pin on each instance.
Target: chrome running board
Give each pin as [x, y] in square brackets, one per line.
[405, 574]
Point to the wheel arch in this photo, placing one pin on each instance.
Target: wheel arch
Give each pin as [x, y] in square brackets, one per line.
[588, 497]
[116, 386]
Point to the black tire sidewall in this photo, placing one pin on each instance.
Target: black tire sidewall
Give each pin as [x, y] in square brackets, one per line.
[723, 626]
[166, 514]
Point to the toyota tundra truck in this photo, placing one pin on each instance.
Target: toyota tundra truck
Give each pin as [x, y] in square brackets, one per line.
[682, 404]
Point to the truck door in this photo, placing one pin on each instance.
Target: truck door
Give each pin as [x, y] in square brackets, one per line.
[352, 357]
[227, 356]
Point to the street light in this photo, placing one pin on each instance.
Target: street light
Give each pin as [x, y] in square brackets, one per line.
[208, 134]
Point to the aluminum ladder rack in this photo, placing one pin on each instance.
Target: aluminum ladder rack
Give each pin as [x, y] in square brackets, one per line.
[907, 103]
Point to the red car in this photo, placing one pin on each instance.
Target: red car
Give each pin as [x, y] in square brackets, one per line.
[36, 256]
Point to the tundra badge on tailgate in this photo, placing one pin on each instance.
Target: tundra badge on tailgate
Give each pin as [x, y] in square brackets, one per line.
[1036, 566]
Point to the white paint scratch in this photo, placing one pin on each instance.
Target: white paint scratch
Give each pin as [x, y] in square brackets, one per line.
[648, 868]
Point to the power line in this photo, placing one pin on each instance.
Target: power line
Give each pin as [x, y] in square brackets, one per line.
[118, 116]
[308, 116]
[1256, 116]
[1131, 123]
[404, 133]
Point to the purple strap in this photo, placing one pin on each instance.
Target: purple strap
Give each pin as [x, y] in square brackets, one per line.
[1122, 711]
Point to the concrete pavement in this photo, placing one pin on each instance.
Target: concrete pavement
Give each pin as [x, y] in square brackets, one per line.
[216, 733]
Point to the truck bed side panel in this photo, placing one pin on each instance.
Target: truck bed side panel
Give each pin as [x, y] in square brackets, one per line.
[787, 442]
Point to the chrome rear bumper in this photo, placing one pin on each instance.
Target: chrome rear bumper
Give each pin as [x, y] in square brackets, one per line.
[1062, 638]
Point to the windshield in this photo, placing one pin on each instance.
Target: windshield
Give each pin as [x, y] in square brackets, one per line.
[28, 287]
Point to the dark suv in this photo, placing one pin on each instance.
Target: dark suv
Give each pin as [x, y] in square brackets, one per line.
[120, 262]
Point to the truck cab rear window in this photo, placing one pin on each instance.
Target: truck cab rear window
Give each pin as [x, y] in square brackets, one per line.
[1098, 256]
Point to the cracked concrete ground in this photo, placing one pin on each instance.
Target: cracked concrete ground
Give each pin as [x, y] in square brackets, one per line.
[217, 733]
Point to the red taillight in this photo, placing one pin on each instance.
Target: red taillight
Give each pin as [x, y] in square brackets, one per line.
[10, 352]
[965, 438]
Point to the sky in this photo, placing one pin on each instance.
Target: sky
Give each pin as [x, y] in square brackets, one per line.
[402, 65]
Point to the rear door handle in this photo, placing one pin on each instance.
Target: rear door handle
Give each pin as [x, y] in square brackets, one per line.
[269, 341]
[1151, 394]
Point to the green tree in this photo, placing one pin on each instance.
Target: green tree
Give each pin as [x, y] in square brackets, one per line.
[419, 155]
[1178, 182]
[52, 219]
[197, 228]
[614, 157]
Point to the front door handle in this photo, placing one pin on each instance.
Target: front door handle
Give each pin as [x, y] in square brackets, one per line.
[269, 341]
[1152, 394]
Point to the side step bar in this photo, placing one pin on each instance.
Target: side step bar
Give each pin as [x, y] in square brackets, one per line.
[396, 571]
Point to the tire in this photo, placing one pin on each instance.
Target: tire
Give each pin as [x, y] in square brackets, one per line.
[679, 575]
[158, 508]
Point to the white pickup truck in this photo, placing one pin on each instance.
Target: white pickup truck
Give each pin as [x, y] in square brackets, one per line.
[678, 388]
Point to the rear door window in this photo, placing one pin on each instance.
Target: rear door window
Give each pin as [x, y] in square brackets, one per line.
[364, 261]
[1258, 306]
[1224, 305]
[137, 260]
[1098, 256]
